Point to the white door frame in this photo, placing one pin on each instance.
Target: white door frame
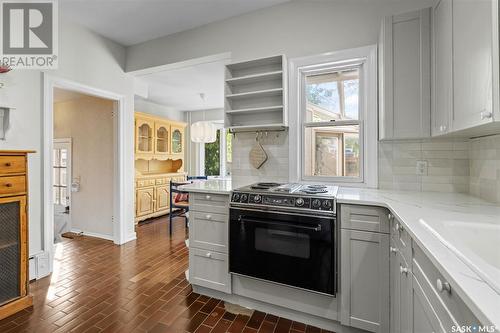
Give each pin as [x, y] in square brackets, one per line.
[68, 142]
[119, 207]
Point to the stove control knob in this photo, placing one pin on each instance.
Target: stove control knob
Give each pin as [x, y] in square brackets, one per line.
[327, 204]
[316, 203]
[257, 198]
[299, 202]
[236, 196]
[244, 197]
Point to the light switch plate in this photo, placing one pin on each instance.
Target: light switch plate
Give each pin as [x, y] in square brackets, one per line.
[422, 168]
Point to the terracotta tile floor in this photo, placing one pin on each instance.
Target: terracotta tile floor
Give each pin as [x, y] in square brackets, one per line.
[138, 287]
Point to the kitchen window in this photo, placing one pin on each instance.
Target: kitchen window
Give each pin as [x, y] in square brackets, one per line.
[216, 156]
[334, 117]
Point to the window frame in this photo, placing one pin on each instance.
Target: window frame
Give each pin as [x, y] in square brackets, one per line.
[363, 58]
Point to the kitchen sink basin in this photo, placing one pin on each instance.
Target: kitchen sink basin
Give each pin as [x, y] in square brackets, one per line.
[476, 244]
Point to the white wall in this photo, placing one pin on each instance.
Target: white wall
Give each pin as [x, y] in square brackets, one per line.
[142, 105]
[89, 122]
[297, 28]
[86, 58]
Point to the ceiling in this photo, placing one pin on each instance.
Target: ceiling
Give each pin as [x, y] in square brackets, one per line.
[130, 22]
[180, 88]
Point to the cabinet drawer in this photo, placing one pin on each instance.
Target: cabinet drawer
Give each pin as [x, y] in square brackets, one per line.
[209, 231]
[401, 238]
[211, 199]
[12, 185]
[449, 307]
[209, 269]
[365, 218]
[145, 183]
[12, 164]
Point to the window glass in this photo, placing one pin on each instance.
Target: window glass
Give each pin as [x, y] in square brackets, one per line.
[332, 151]
[212, 157]
[332, 96]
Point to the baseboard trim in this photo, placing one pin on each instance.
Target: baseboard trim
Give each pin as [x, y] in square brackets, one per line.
[93, 234]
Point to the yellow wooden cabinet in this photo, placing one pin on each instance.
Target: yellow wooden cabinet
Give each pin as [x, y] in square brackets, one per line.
[177, 142]
[144, 135]
[145, 203]
[162, 197]
[153, 194]
[158, 138]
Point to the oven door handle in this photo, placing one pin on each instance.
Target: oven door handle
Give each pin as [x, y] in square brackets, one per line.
[243, 219]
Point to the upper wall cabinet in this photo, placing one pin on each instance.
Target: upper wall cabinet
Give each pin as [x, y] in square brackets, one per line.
[405, 76]
[442, 92]
[472, 63]
[465, 67]
[255, 94]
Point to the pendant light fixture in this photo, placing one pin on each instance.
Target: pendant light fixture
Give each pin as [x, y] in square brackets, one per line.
[203, 131]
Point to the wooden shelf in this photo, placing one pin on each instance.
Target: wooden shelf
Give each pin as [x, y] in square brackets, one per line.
[258, 93]
[256, 96]
[256, 110]
[255, 77]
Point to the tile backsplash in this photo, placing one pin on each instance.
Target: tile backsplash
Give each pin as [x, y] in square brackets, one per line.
[274, 169]
[485, 168]
[447, 165]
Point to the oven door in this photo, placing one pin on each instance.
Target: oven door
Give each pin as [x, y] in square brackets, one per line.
[292, 249]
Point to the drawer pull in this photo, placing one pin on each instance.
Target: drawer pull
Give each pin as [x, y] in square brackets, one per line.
[8, 185]
[208, 255]
[393, 249]
[8, 164]
[443, 286]
[403, 270]
[208, 217]
[208, 197]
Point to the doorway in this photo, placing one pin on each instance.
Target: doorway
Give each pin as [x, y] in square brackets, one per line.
[83, 165]
[62, 187]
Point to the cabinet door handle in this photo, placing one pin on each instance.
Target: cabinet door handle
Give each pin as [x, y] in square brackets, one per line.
[403, 270]
[390, 217]
[443, 286]
[393, 249]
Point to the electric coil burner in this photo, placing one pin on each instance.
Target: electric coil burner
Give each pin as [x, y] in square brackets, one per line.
[286, 234]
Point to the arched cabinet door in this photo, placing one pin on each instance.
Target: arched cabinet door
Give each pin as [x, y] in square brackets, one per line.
[144, 136]
[177, 140]
[162, 138]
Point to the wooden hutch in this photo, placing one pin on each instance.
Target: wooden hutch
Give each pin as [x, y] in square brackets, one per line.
[14, 275]
[159, 158]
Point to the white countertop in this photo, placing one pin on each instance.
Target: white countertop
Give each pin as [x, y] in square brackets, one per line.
[420, 210]
[214, 186]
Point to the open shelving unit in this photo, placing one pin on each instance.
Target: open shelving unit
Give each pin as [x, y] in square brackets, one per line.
[255, 95]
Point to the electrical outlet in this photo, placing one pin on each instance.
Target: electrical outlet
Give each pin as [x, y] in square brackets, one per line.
[421, 168]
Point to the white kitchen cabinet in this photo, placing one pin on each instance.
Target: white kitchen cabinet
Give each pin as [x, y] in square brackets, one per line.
[405, 76]
[208, 241]
[472, 63]
[442, 92]
[364, 270]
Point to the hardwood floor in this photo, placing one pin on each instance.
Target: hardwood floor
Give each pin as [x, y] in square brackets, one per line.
[138, 287]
